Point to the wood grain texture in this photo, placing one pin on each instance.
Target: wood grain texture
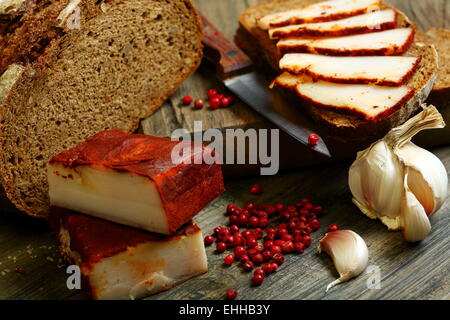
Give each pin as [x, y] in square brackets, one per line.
[408, 271]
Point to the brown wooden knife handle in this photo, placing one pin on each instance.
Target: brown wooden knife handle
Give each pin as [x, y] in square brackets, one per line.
[228, 58]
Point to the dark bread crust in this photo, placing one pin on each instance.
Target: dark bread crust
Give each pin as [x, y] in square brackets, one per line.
[440, 96]
[257, 44]
[29, 194]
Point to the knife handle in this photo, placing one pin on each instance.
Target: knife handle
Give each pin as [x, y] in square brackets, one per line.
[228, 58]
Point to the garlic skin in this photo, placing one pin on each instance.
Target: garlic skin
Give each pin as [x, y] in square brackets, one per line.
[413, 217]
[349, 254]
[396, 181]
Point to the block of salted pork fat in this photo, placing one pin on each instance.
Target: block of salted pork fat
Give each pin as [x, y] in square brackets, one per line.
[132, 179]
[118, 262]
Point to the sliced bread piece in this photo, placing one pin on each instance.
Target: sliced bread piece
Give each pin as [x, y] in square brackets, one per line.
[440, 96]
[125, 59]
[318, 12]
[364, 23]
[389, 42]
[263, 51]
[383, 71]
[368, 102]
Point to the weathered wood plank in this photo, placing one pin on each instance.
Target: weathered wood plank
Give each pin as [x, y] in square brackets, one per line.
[408, 271]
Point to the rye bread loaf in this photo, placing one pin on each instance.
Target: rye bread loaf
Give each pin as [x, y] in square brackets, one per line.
[440, 96]
[257, 44]
[63, 84]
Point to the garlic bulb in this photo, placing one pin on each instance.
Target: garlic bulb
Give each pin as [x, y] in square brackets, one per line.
[398, 182]
[348, 251]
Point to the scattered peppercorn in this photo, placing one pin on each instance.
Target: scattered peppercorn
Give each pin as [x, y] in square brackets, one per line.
[258, 259]
[290, 235]
[313, 139]
[231, 294]
[306, 240]
[278, 258]
[258, 279]
[256, 189]
[239, 251]
[332, 227]
[221, 247]
[187, 100]
[248, 266]
[211, 93]
[199, 103]
[208, 240]
[229, 259]
[225, 102]
[214, 103]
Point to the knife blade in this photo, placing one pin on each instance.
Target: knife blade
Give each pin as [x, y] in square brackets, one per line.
[235, 70]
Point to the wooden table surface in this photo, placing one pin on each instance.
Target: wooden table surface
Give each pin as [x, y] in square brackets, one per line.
[408, 271]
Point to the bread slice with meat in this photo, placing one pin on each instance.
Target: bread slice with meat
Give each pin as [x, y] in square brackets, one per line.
[73, 68]
[257, 44]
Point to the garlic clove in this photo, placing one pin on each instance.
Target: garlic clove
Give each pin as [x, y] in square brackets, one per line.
[378, 166]
[427, 176]
[415, 222]
[421, 190]
[348, 251]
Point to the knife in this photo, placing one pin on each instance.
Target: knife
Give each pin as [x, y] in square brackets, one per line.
[236, 71]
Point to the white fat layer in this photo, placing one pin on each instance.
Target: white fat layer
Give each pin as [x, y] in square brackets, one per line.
[369, 100]
[149, 268]
[392, 68]
[120, 197]
[370, 20]
[371, 41]
[321, 9]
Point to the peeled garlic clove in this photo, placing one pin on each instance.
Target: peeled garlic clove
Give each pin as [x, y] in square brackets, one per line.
[348, 251]
[415, 222]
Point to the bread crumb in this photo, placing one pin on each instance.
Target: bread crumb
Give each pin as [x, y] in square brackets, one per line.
[104, 7]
